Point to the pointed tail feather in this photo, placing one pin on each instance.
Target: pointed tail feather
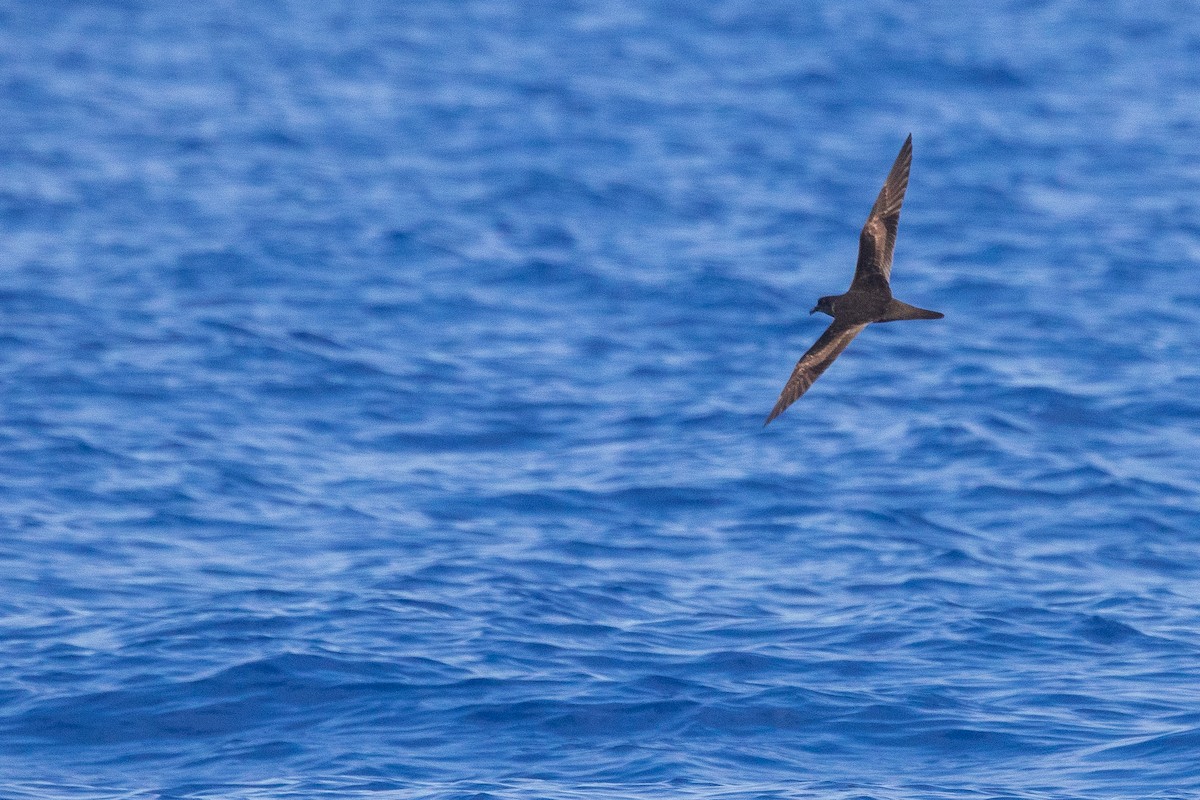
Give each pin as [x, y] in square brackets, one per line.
[897, 311]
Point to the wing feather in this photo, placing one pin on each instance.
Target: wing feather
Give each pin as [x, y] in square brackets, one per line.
[878, 239]
[810, 366]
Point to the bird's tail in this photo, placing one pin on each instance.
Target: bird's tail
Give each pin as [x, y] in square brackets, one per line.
[897, 311]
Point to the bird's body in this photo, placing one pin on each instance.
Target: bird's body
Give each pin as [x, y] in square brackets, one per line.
[869, 298]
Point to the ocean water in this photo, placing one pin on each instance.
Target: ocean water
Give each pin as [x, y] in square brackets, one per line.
[383, 392]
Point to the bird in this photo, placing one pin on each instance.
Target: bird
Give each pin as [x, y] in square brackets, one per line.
[869, 298]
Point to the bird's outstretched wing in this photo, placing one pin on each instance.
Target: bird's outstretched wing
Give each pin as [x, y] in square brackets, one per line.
[878, 239]
[810, 366]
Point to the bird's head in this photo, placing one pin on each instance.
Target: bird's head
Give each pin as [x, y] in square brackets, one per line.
[824, 305]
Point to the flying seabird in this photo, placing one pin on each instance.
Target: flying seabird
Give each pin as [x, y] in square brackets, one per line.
[869, 298]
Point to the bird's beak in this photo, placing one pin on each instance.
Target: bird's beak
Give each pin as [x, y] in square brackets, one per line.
[813, 311]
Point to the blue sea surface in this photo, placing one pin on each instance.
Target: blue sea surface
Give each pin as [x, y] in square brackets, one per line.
[383, 387]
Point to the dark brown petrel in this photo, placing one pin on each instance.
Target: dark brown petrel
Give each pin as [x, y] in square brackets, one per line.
[870, 296]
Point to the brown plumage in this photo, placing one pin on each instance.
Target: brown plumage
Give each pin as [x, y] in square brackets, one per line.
[869, 298]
